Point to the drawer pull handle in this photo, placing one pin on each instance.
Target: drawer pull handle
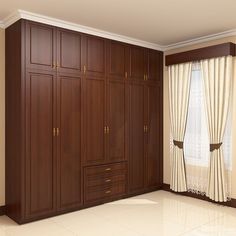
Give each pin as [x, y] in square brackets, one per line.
[107, 180]
[107, 169]
[108, 192]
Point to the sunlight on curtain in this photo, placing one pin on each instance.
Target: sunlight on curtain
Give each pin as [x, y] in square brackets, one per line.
[196, 143]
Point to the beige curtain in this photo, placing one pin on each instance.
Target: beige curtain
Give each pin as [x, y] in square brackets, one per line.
[179, 87]
[217, 81]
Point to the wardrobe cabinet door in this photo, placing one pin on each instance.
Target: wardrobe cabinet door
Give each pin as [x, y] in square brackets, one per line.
[137, 63]
[137, 138]
[116, 60]
[69, 142]
[69, 53]
[40, 148]
[94, 54]
[95, 121]
[154, 136]
[154, 65]
[40, 46]
[116, 121]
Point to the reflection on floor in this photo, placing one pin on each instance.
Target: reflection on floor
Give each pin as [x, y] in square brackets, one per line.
[154, 214]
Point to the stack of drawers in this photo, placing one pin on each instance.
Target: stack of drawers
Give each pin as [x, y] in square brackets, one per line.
[105, 182]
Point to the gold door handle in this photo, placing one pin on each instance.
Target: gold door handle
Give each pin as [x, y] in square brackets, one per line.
[109, 191]
[107, 169]
[126, 75]
[54, 66]
[57, 131]
[107, 180]
[105, 129]
[84, 69]
[54, 131]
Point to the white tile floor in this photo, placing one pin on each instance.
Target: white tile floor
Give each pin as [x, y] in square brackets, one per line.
[154, 214]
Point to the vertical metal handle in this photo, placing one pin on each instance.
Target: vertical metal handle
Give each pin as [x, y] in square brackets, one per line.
[126, 75]
[57, 131]
[105, 129]
[54, 131]
[84, 69]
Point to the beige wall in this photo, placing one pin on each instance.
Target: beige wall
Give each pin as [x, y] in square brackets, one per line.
[2, 117]
[166, 114]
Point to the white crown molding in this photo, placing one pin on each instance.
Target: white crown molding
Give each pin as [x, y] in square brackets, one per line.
[1, 25]
[198, 40]
[21, 14]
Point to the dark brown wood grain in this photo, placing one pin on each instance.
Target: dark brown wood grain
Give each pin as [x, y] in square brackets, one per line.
[69, 172]
[78, 84]
[219, 50]
[137, 139]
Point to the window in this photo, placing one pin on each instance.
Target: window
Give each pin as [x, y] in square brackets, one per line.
[196, 143]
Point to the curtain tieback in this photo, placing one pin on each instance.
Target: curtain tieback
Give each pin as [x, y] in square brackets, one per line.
[214, 146]
[179, 144]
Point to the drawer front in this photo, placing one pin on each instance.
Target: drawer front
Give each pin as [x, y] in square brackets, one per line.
[100, 193]
[102, 170]
[104, 182]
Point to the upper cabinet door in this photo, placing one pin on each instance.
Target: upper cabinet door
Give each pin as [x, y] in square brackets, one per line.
[137, 63]
[94, 54]
[40, 46]
[155, 59]
[69, 53]
[116, 60]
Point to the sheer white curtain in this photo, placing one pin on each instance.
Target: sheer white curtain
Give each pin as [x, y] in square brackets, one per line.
[196, 143]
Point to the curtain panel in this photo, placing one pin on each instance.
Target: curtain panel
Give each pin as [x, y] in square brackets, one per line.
[179, 88]
[217, 83]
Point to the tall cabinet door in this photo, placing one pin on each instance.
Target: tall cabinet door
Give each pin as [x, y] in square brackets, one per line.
[154, 111]
[41, 144]
[94, 89]
[116, 118]
[137, 137]
[69, 141]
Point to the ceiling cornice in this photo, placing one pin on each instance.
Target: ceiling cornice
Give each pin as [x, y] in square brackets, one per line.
[21, 14]
[198, 40]
[1, 25]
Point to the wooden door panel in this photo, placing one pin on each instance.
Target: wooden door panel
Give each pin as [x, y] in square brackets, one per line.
[116, 103]
[69, 52]
[95, 121]
[154, 65]
[70, 142]
[154, 137]
[137, 149]
[40, 162]
[137, 63]
[40, 46]
[95, 56]
[116, 60]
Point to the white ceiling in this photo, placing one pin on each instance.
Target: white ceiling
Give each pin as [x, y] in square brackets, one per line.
[161, 22]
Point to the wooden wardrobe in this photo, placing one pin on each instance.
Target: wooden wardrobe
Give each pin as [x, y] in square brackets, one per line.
[83, 120]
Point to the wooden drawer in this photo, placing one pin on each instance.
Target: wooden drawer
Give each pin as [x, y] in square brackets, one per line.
[106, 170]
[105, 181]
[103, 193]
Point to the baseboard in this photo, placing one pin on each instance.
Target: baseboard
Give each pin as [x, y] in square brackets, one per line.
[2, 210]
[231, 203]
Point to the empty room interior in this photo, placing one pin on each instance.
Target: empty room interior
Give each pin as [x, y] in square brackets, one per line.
[117, 118]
